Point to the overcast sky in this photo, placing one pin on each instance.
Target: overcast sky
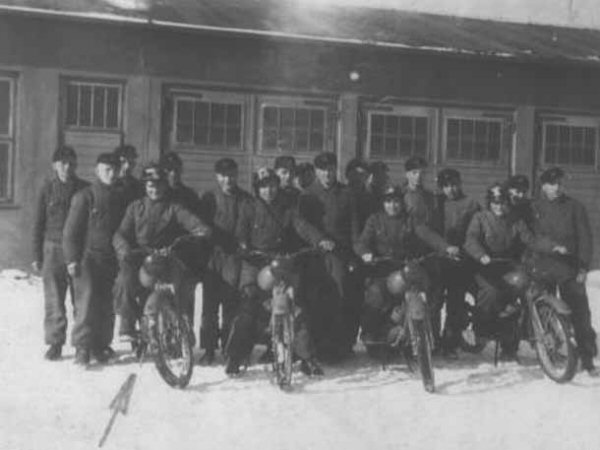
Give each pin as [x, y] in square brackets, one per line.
[578, 13]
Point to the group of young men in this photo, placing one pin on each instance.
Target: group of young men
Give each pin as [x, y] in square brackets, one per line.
[88, 237]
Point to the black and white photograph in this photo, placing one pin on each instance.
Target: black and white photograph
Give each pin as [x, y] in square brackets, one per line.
[300, 224]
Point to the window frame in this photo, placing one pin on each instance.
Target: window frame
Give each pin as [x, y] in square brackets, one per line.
[94, 82]
[407, 111]
[328, 106]
[222, 97]
[10, 139]
[504, 117]
[571, 120]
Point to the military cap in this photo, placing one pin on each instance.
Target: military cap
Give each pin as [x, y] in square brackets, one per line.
[263, 177]
[448, 177]
[153, 172]
[64, 153]
[415, 162]
[552, 175]
[109, 159]
[285, 162]
[225, 166]
[171, 161]
[391, 192]
[519, 182]
[126, 151]
[356, 165]
[378, 168]
[325, 160]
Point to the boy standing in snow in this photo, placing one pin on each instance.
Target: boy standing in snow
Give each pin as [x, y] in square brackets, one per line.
[94, 216]
[51, 211]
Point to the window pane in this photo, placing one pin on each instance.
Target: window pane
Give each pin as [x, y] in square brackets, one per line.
[72, 104]
[292, 129]
[403, 135]
[376, 146]
[201, 122]
[85, 106]
[112, 107]
[5, 106]
[476, 140]
[567, 144]
[4, 169]
[184, 127]
[234, 115]
[98, 108]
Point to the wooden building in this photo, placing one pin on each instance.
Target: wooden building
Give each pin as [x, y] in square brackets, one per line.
[253, 80]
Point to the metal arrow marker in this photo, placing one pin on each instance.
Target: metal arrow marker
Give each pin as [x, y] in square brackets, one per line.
[119, 404]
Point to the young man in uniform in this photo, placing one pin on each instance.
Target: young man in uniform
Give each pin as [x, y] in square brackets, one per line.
[328, 205]
[221, 210]
[389, 233]
[52, 207]
[452, 214]
[152, 222]
[263, 226]
[558, 217]
[94, 216]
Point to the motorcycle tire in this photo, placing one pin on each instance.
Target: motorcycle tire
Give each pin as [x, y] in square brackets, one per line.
[421, 344]
[470, 341]
[282, 335]
[174, 354]
[554, 342]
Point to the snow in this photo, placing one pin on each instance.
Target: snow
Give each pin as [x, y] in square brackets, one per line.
[357, 405]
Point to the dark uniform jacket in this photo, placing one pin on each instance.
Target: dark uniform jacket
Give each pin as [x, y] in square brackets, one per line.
[452, 217]
[52, 208]
[499, 237]
[95, 214]
[419, 203]
[155, 224]
[565, 221]
[385, 235]
[221, 212]
[265, 227]
[130, 188]
[187, 197]
[332, 211]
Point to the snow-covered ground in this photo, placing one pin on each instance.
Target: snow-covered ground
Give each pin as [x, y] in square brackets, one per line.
[357, 405]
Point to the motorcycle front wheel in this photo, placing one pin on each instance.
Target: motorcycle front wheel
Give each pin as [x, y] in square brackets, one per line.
[174, 346]
[554, 342]
[282, 335]
[421, 344]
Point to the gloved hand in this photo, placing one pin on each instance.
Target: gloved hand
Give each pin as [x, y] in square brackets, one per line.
[327, 245]
[485, 260]
[367, 257]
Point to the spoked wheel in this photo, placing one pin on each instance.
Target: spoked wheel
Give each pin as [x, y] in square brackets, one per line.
[470, 341]
[174, 347]
[421, 344]
[554, 343]
[282, 341]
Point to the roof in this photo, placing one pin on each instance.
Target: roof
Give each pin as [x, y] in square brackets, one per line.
[351, 25]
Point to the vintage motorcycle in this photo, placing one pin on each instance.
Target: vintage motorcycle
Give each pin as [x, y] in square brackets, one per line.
[542, 318]
[165, 331]
[278, 276]
[412, 331]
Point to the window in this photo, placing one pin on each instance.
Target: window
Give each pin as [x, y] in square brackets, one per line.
[476, 137]
[7, 144]
[93, 105]
[394, 136]
[294, 125]
[570, 141]
[205, 122]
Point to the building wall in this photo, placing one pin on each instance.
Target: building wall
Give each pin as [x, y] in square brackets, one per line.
[42, 52]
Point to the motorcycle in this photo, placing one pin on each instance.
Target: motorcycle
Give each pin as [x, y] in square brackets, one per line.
[277, 276]
[543, 319]
[413, 332]
[165, 331]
